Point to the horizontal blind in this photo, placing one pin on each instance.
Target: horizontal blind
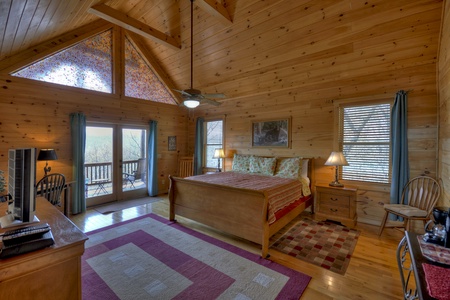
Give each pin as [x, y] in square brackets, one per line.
[365, 139]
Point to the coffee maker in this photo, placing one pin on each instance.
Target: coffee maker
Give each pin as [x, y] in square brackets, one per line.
[435, 230]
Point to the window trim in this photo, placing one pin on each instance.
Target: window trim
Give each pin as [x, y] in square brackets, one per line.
[360, 101]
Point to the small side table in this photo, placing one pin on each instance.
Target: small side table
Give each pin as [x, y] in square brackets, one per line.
[336, 203]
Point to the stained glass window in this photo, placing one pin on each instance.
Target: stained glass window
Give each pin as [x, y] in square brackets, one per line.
[140, 80]
[86, 65]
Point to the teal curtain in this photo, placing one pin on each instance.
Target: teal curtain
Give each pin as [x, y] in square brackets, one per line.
[198, 151]
[152, 159]
[78, 133]
[399, 144]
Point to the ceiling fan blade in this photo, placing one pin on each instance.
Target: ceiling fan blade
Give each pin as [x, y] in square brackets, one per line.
[220, 95]
[210, 101]
[182, 92]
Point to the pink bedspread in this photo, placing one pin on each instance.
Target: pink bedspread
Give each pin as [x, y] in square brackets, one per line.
[280, 191]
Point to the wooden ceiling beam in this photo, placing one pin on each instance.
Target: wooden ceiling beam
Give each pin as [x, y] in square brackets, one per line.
[215, 9]
[116, 17]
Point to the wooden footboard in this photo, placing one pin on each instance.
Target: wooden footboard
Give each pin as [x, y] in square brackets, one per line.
[240, 212]
[237, 211]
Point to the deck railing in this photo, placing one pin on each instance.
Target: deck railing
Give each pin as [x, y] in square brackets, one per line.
[103, 171]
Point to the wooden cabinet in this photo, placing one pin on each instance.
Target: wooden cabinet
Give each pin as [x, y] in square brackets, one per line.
[336, 203]
[49, 273]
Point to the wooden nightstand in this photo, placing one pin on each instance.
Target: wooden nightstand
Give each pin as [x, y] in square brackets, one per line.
[336, 203]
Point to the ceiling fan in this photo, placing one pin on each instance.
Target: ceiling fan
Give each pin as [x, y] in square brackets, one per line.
[193, 97]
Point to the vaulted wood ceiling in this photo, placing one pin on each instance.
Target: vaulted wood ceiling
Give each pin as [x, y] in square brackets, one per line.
[268, 46]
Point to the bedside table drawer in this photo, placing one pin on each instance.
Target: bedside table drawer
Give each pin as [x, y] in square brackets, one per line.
[334, 210]
[336, 203]
[334, 200]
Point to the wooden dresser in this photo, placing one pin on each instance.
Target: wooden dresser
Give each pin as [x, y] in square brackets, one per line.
[336, 203]
[50, 273]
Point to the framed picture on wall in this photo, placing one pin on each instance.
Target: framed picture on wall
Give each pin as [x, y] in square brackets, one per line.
[172, 142]
[271, 133]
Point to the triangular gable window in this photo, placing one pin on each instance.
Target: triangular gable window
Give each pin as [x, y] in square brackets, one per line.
[140, 80]
[86, 65]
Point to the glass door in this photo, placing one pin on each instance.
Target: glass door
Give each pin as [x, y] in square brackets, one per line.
[134, 162]
[98, 164]
[115, 163]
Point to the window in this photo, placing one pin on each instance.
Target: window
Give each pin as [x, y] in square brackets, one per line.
[140, 81]
[86, 65]
[213, 141]
[364, 138]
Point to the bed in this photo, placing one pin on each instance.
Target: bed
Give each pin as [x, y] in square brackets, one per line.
[237, 209]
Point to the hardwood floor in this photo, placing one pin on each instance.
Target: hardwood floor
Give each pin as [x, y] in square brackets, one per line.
[372, 273]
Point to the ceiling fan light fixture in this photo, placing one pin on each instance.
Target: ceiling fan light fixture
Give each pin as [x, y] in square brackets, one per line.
[191, 103]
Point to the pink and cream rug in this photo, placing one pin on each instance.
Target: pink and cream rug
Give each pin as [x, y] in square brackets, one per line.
[325, 244]
[151, 258]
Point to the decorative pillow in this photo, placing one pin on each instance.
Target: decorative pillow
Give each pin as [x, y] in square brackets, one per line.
[241, 163]
[263, 165]
[289, 167]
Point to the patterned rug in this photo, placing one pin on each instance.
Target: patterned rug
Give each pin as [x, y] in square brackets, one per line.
[152, 258]
[325, 244]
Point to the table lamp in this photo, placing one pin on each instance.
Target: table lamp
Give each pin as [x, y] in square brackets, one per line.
[218, 153]
[336, 159]
[47, 154]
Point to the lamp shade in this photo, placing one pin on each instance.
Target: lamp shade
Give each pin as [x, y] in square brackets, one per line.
[191, 103]
[218, 153]
[47, 154]
[336, 159]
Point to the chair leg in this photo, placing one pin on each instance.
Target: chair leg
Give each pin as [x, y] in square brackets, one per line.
[383, 223]
[407, 224]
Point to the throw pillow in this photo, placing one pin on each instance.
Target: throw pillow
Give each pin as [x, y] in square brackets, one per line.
[263, 165]
[241, 163]
[289, 167]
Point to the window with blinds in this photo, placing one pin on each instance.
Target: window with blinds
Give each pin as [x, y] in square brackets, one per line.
[364, 138]
[213, 141]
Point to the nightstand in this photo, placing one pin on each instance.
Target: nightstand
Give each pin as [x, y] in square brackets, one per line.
[336, 204]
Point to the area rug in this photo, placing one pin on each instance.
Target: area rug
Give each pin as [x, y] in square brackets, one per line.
[152, 258]
[120, 205]
[325, 244]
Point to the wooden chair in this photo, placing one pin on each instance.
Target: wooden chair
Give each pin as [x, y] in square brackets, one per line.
[186, 166]
[138, 174]
[51, 187]
[420, 195]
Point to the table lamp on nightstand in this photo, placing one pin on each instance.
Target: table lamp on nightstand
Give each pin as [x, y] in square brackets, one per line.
[218, 153]
[336, 159]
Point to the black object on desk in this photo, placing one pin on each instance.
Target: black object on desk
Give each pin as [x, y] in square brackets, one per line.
[26, 239]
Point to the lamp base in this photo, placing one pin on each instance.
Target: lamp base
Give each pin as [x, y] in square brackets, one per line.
[336, 184]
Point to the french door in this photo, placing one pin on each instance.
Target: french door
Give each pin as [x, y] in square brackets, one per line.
[115, 163]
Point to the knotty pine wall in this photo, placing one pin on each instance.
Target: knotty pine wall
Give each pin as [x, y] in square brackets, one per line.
[444, 106]
[36, 114]
[374, 65]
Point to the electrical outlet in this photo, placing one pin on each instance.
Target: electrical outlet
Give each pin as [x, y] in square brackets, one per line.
[163, 181]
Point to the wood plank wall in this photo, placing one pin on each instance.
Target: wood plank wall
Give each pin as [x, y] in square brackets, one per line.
[36, 114]
[343, 50]
[368, 64]
[444, 106]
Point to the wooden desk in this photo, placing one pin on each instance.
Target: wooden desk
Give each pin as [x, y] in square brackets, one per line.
[50, 273]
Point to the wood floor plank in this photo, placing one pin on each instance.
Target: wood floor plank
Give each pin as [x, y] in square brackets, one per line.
[371, 274]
